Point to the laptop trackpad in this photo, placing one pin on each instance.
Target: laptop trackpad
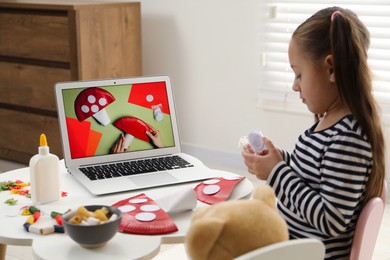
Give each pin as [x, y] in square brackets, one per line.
[160, 178]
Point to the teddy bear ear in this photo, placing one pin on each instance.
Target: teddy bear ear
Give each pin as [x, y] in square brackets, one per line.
[266, 194]
[201, 237]
[198, 213]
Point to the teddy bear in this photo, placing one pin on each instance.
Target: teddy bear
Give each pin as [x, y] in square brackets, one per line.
[231, 228]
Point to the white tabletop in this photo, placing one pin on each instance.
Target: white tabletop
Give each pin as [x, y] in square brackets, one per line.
[44, 246]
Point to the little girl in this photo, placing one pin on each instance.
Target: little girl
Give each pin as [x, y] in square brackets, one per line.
[338, 164]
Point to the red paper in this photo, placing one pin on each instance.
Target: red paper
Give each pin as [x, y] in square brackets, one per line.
[82, 140]
[216, 189]
[134, 208]
[78, 137]
[93, 142]
[150, 95]
[134, 126]
[90, 101]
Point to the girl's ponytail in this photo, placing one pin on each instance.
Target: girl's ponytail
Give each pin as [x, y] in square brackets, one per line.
[339, 32]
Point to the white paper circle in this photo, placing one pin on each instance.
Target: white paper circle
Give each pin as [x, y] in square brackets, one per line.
[91, 99]
[212, 181]
[150, 207]
[145, 216]
[102, 101]
[211, 189]
[85, 108]
[149, 98]
[231, 178]
[138, 201]
[94, 108]
[126, 208]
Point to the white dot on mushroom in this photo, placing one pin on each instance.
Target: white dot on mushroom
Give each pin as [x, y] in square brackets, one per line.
[127, 208]
[138, 201]
[145, 216]
[85, 109]
[91, 99]
[102, 101]
[94, 108]
[149, 207]
[211, 189]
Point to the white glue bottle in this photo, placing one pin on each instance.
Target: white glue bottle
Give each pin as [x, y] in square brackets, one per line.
[44, 175]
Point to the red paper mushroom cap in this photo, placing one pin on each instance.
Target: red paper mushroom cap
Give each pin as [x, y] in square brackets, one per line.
[134, 126]
[90, 101]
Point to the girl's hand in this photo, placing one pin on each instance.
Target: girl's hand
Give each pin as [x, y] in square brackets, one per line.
[261, 164]
[248, 149]
[119, 146]
[154, 135]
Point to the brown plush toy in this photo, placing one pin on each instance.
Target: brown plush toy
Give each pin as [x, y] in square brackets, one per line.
[229, 229]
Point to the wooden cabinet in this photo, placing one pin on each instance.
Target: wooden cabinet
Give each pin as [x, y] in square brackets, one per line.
[46, 41]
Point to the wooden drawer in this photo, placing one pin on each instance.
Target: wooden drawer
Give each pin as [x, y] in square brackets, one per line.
[43, 42]
[20, 132]
[101, 58]
[29, 85]
[35, 35]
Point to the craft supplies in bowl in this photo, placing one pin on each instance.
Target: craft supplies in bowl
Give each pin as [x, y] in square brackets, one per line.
[92, 226]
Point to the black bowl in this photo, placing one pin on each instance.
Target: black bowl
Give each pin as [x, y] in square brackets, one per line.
[97, 235]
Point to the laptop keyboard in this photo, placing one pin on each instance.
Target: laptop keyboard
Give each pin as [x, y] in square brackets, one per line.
[105, 171]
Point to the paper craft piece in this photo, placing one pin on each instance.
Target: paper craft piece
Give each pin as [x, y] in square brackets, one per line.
[78, 136]
[133, 127]
[143, 216]
[211, 189]
[93, 142]
[92, 102]
[150, 95]
[255, 139]
[82, 140]
[126, 208]
[216, 189]
[178, 201]
[157, 113]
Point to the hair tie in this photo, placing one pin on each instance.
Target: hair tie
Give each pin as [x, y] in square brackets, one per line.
[334, 15]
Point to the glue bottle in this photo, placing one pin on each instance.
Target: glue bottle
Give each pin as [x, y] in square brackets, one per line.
[44, 175]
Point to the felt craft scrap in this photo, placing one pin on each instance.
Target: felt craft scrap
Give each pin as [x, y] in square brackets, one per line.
[25, 211]
[216, 189]
[142, 215]
[11, 201]
[20, 188]
[15, 187]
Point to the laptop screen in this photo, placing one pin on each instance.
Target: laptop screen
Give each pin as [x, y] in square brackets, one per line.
[117, 119]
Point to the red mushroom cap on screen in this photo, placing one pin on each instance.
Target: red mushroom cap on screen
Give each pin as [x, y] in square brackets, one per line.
[91, 101]
[133, 126]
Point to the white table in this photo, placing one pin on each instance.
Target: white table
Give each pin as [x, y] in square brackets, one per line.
[122, 246]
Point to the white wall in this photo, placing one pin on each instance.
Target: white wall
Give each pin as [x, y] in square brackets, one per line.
[209, 48]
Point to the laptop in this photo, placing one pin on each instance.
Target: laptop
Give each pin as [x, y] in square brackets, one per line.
[122, 134]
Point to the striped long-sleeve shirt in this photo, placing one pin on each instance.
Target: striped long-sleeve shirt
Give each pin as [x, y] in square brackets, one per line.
[320, 185]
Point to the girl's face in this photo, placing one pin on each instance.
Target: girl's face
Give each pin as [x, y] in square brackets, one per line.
[314, 80]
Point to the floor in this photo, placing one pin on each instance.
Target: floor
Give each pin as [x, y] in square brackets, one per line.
[177, 251]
